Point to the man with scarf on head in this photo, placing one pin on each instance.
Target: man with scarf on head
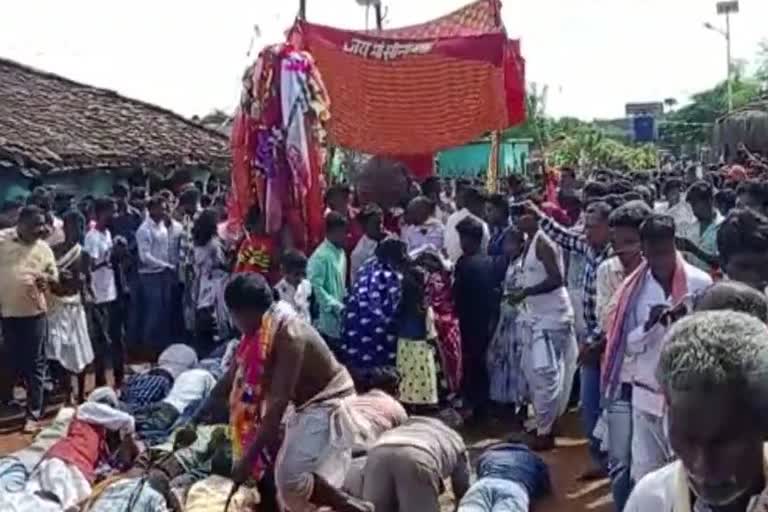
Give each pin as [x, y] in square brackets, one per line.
[65, 475]
[635, 328]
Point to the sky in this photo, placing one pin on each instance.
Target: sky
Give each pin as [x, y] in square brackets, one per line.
[188, 56]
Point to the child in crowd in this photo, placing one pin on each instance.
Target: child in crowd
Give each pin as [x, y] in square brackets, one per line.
[210, 273]
[294, 288]
[257, 251]
[416, 347]
[370, 220]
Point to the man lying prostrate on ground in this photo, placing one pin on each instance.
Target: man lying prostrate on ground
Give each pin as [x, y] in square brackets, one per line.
[712, 371]
[30, 456]
[189, 387]
[211, 493]
[283, 361]
[151, 493]
[152, 386]
[406, 467]
[185, 458]
[509, 477]
[65, 475]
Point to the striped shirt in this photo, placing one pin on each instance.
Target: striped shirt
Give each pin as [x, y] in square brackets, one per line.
[577, 243]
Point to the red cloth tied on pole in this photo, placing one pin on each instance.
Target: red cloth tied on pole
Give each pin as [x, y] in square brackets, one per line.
[419, 89]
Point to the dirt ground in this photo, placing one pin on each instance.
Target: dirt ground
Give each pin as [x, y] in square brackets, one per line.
[566, 462]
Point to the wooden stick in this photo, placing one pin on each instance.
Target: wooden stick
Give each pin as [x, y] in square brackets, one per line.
[302, 9]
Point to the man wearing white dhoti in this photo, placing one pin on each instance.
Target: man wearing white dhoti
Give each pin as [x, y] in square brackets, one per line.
[293, 373]
[549, 349]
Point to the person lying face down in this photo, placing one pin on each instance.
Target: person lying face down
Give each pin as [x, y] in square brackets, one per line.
[191, 386]
[213, 492]
[154, 385]
[508, 475]
[151, 493]
[712, 372]
[68, 469]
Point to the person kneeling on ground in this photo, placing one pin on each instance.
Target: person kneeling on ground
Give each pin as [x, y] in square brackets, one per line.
[712, 372]
[375, 408]
[407, 465]
[509, 476]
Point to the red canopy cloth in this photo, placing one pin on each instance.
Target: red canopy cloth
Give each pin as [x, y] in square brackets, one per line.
[419, 89]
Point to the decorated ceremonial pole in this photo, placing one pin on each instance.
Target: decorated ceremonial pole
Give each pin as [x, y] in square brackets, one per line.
[494, 161]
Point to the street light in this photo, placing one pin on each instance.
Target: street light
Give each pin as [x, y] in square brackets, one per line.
[726, 8]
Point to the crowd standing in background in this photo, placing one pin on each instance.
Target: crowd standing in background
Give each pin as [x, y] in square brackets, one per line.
[454, 306]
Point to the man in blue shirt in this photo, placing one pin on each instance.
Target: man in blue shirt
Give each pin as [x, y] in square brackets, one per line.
[509, 476]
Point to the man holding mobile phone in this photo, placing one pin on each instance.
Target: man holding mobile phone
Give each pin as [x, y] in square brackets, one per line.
[648, 301]
[27, 267]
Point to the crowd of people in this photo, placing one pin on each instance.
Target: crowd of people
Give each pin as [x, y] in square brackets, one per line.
[340, 378]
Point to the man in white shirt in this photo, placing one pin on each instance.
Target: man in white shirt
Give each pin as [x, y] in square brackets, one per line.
[371, 218]
[433, 189]
[105, 336]
[712, 373]
[676, 206]
[152, 307]
[473, 203]
[294, 288]
[625, 222]
[637, 444]
[699, 239]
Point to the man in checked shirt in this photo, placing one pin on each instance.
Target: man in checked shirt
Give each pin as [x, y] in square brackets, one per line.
[594, 245]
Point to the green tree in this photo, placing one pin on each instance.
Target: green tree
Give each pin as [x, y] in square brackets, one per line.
[762, 63]
[693, 122]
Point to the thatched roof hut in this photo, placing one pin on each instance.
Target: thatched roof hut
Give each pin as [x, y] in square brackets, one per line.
[53, 125]
[747, 125]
